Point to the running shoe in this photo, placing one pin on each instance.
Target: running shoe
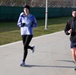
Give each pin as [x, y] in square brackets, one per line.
[33, 49]
[22, 64]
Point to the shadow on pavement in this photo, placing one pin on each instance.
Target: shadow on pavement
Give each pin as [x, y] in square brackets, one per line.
[66, 61]
[29, 66]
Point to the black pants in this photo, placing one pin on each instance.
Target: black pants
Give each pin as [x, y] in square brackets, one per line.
[26, 41]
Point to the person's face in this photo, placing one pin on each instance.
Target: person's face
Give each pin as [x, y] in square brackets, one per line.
[26, 11]
[74, 13]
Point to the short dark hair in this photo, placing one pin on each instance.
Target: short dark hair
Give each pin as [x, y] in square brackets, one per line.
[27, 6]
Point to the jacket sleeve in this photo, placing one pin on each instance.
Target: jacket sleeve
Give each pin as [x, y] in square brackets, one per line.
[67, 27]
[35, 24]
[20, 20]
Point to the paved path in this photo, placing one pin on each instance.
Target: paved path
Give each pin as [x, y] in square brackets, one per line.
[52, 57]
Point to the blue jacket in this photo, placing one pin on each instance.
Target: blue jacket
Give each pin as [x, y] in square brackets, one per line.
[29, 21]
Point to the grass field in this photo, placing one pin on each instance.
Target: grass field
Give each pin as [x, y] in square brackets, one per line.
[9, 31]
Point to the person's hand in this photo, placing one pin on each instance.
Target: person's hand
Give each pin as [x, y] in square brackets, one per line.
[70, 31]
[23, 24]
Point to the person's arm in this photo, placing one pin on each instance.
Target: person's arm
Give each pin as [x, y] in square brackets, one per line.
[34, 22]
[68, 29]
[19, 23]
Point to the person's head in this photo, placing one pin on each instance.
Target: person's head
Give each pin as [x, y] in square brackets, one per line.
[74, 13]
[26, 9]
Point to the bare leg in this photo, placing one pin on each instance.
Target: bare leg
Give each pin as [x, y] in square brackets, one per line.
[74, 54]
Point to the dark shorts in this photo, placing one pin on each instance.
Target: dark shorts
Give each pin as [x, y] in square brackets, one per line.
[73, 45]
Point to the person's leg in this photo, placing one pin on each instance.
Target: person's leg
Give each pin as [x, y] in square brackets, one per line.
[29, 47]
[26, 40]
[25, 49]
[75, 59]
[32, 48]
[73, 49]
[25, 54]
[74, 54]
[26, 44]
[23, 38]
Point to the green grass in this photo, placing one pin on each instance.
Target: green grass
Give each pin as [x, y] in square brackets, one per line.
[10, 32]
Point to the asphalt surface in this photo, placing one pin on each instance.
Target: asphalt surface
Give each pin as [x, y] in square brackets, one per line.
[52, 56]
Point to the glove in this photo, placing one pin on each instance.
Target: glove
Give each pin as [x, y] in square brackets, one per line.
[23, 24]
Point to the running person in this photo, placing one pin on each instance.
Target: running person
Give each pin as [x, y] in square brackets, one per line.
[26, 22]
[71, 29]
